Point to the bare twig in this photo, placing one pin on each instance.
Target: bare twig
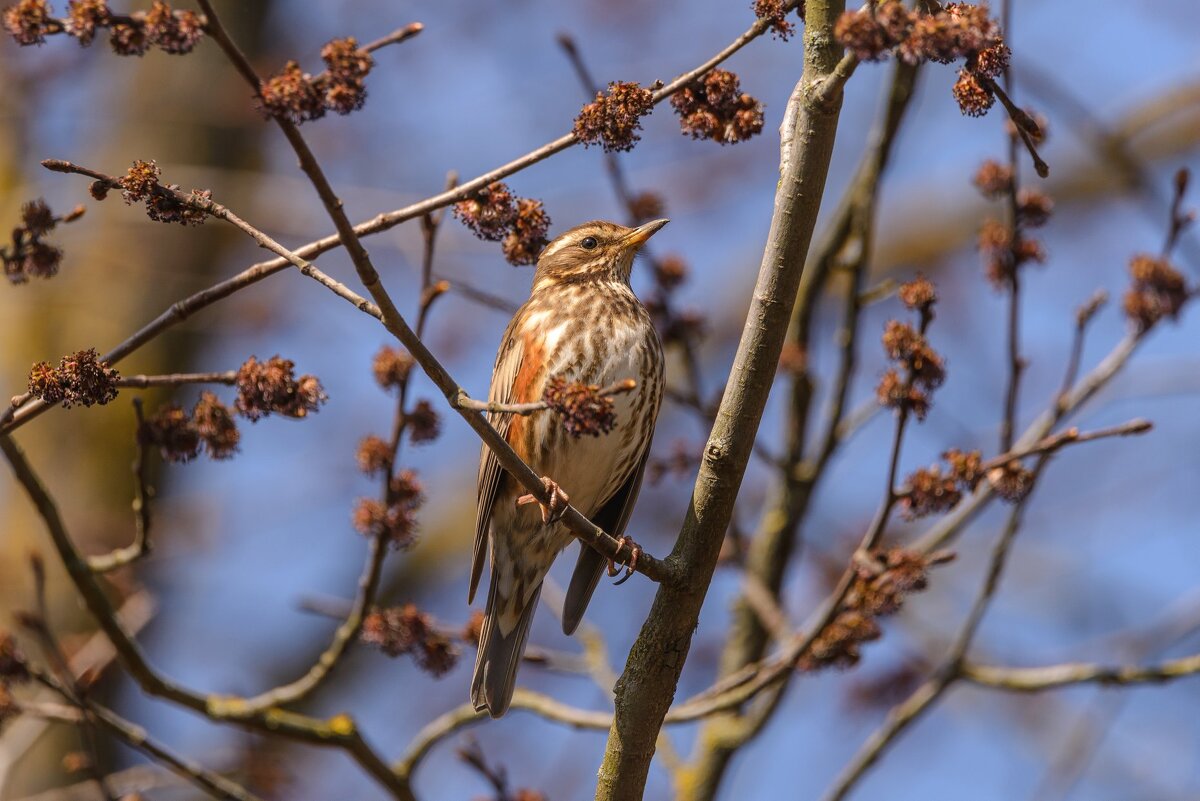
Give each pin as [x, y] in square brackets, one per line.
[140, 546]
[526, 409]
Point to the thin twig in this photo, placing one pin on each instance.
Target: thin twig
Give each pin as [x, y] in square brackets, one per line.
[526, 409]
[141, 545]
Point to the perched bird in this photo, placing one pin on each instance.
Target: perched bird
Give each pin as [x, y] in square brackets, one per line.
[583, 324]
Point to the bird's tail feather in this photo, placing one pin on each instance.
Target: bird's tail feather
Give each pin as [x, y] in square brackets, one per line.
[499, 656]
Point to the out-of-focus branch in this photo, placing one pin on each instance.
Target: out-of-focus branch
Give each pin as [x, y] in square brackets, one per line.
[1049, 677]
[136, 737]
[228, 377]
[140, 546]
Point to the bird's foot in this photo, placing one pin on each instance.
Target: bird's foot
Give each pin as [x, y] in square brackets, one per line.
[557, 505]
[635, 551]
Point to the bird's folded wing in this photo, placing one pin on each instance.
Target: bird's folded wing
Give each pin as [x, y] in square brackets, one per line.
[504, 375]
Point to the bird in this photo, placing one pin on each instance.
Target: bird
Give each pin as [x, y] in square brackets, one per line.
[582, 324]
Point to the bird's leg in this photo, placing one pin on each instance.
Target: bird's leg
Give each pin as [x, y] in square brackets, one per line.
[635, 551]
[557, 505]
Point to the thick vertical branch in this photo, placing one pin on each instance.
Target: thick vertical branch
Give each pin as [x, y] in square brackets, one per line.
[646, 688]
[773, 547]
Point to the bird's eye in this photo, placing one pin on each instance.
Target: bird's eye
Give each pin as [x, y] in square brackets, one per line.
[588, 243]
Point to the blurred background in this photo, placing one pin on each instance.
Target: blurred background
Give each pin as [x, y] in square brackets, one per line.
[1110, 543]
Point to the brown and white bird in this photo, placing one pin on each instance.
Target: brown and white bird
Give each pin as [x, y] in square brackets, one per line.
[583, 324]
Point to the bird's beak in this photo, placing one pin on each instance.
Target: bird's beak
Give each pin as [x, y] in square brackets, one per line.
[638, 236]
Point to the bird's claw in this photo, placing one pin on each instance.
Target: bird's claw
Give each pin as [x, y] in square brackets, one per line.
[635, 551]
[552, 511]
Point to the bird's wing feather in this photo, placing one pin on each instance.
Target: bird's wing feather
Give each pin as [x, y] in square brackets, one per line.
[504, 375]
[613, 517]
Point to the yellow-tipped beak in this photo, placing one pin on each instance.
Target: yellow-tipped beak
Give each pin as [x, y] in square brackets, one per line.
[638, 236]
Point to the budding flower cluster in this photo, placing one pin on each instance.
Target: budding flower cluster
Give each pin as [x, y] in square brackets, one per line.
[174, 32]
[80, 379]
[774, 13]
[495, 214]
[270, 386]
[614, 118]
[880, 587]
[395, 520]
[714, 107]
[1157, 290]
[958, 31]
[405, 629]
[923, 367]
[294, 95]
[1003, 253]
[584, 411]
[29, 255]
[391, 367]
[180, 436]
[930, 491]
[646, 206]
[141, 184]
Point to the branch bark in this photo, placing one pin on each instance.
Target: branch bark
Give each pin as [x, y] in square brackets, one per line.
[646, 688]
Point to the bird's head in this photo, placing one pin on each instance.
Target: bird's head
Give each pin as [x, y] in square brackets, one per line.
[593, 251]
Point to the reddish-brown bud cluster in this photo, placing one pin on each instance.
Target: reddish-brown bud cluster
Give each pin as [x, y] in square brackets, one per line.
[395, 520]
[993, 179]
[871, 33]
[973, 97]
[880, 587]
[28, 255]
[670, 272]
[270, 386]
[141, 184]
[584, 411]
[958, 31]
[527, 238]
[614, 118]
[923, 367]
[391, 367]
[495, 214]
[405, 629]
[919, 294]
[965, 466]
[1012, 481]
[423, 423]
[85, 16]
[714, 107]
[346, 68]
[176, 32]
[29, 21]
[1002, 256]
[180, 436]
[1034, 208]
[489, 213]
[929, 490]
[774, 13]
[80, 379]
[374, 455]
[294, 95]
[646, 206]
[1158, 290]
